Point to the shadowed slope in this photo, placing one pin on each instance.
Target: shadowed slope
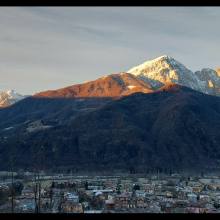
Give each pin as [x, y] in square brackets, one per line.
[176, 128]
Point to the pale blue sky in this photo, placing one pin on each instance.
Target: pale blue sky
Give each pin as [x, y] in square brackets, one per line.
[52, 47]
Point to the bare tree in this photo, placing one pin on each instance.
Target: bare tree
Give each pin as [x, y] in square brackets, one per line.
[35, 193]
[39, 193]
[12, 183]
[37, 189]
[51, 197]
[61, 202]
[11, 161]
[12, 191]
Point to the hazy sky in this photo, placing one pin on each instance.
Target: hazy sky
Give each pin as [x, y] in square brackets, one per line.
[52, 47]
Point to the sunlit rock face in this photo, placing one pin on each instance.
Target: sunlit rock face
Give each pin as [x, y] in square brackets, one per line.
[163, 70]
[113, 85]
[218, 71]
[210, 81]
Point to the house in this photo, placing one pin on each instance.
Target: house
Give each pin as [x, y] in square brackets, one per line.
[100, 195]
[187, 189]
[148, 188]
[72, 207]
[192, 197]
[140, 193]
[204, 197]
[179, 210]
[27, 193]
[122, 201]
[182, 195]
[85, 205]
[109, 204]
[93, 211]
[181, 203]
[196, 210]
[196, 186]
[95, 187]
[45, 203]
[154, 207]
[71, 197]
[27, 205]
[104, 191]
[197, 189]
[169, 194]
[140, 202]
[166, 206]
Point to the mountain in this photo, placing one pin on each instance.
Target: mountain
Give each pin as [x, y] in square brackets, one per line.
[176, 128]
[147, 77]
[9, 97]
[56, 107]
[158, 115]
[165, 69]
[51, 111]
[114, 85]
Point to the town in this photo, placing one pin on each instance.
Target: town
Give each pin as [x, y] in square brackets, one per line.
[30, 193]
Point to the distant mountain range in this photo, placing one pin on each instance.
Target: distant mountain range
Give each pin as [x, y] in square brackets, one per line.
[158, 115]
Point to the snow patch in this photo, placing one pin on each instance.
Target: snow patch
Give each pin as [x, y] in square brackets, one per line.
[10, 97]
[131, 87]
[9, 128]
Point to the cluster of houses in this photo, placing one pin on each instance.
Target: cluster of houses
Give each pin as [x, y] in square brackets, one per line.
[170, 194]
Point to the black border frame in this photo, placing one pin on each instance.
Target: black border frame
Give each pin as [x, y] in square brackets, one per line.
[56, 3]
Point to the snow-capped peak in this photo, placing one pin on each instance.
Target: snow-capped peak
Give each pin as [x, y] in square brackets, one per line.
[210, 79]
[9, 97]
[137, 69]
[163, 70]
[13, 94]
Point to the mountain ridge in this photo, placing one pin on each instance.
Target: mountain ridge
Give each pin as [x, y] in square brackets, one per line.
[113, 85]
[147, 77]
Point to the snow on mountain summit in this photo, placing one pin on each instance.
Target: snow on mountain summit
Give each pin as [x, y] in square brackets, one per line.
[13, 94]
[211, 81]
[164, 70]
[9, 97]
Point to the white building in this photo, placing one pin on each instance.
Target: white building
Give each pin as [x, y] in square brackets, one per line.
[192, 197]
[72, 197]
